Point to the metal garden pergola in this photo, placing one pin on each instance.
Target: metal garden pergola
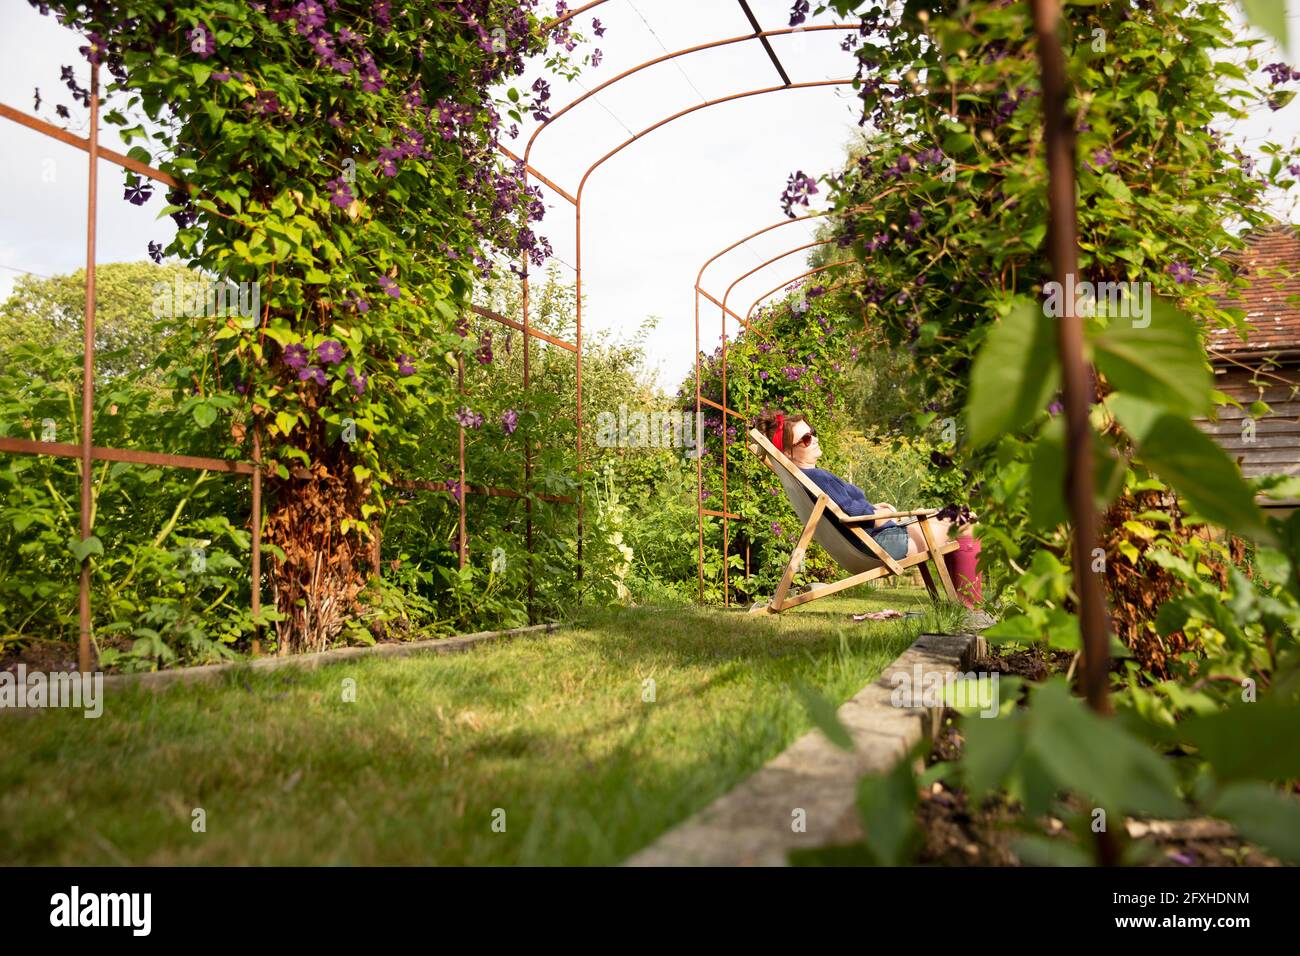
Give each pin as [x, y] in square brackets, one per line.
[758, 35]
[1062, 243]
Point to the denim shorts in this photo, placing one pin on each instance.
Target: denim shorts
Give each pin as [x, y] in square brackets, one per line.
[893, 540]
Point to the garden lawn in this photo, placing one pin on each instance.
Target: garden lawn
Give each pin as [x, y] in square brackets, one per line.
[551, 730]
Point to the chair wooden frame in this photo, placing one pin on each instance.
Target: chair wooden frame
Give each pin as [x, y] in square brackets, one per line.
[824, 506]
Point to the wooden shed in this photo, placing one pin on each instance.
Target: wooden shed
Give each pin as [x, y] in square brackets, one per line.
[1265, 366]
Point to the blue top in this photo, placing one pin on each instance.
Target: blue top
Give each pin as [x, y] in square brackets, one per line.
[851, 499]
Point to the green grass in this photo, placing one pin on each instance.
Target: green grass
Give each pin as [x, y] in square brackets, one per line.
[552, 730]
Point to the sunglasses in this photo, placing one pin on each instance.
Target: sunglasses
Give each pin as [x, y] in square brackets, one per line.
[807, 439]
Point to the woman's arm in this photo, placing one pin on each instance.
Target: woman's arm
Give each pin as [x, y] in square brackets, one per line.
[850, 498]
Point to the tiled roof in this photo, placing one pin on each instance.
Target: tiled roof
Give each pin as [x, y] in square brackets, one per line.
[1275, 321]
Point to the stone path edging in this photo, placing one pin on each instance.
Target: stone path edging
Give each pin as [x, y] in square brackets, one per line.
[751, 825]
[207, 673]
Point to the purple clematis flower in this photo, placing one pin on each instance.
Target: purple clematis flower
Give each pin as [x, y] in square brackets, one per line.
[390, 287]
[320, 43]
[268, 102]
[509, 421]
[312, 373]
[309, 13]
[798, 190]
[295, 356]
[94, 49]
[358, 382]
[203, 41]
[467, 418]
[330, 352]
[156, 251]
[340, 192]
[404, 366]
[1181, 272]
[137, 194]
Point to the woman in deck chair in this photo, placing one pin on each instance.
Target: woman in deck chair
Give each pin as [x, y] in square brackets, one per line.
[797, 438]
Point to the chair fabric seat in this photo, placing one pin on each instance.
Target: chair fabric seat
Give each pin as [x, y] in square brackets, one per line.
[840, 543]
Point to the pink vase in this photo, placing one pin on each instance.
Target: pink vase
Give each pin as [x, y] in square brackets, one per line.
[963, 567]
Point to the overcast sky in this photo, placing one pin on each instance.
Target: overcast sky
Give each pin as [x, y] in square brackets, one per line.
[651, 215]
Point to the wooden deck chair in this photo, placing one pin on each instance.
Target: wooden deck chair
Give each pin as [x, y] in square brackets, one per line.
[845, 537]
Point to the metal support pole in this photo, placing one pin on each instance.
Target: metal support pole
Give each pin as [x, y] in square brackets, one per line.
[1076, 377]
[257, 540]
[88, 370]
[699, 450]
[726, 536]
[577, 338]
[462, 545]
[528, 444]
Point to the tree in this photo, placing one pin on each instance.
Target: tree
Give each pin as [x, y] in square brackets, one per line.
[51, 313]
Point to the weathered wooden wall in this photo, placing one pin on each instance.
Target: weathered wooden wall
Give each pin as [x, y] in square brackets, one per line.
[1274, 446]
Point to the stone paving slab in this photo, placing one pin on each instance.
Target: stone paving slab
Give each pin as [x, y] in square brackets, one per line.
[751, 825]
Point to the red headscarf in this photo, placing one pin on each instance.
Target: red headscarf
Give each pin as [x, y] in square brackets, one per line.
[778, 436]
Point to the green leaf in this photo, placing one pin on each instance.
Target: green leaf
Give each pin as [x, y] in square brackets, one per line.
[1262, 815]
[822, 712]
[1269, 16]
[84, 549]
[1162, 362]
[993, 748]
[1047, 478]
[1194, 465]
[1034, 850]
[1097, 758]
[1249, 741]
[204, 414]
[1018, 629]
[1014, 374]
[1116, 188]
[887, 806]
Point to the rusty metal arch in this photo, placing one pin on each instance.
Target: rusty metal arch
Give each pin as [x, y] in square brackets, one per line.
[761, 36]
[576, 200]
[763, 265]
[724, 514]
[91, 145]
[723, 407]
[803, 275]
